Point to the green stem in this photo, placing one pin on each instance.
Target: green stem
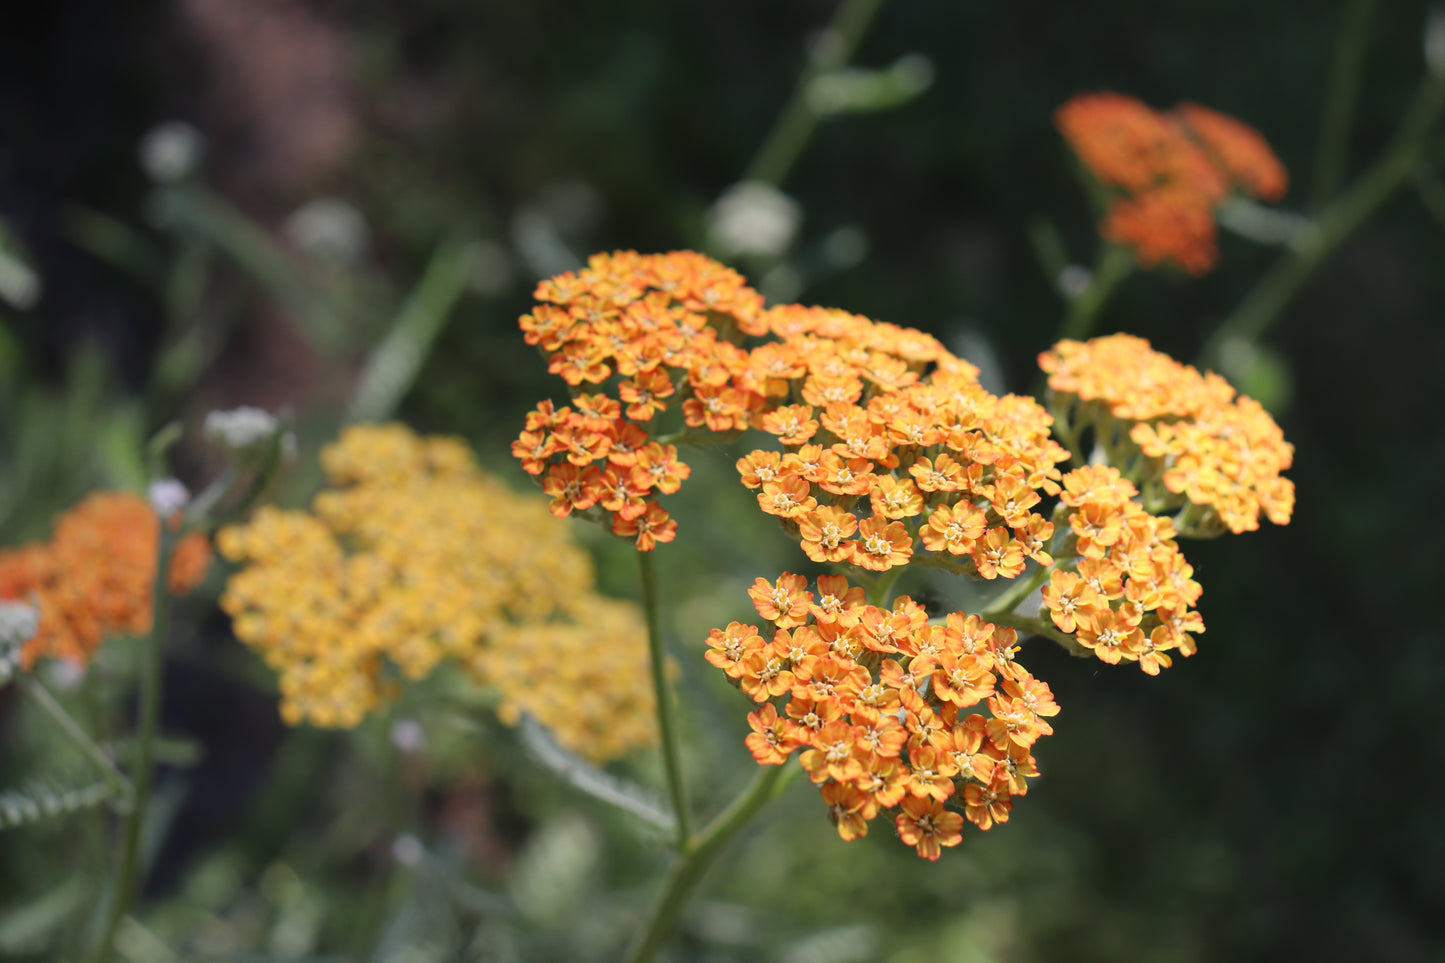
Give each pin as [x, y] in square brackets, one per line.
[1338, 221]
[63, 720]
[1335, 123]
[393, 366]
[667, 726]
[877, 591]
[1110, 268]
[1037, 626]
[1008, 601]
[152, 664]
[697, 853]
[796, 123]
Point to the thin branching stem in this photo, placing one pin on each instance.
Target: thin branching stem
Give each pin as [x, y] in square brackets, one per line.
[1016, 593]
[1339, 113]
[795, 125]
[1269, 297]
[152, 664]
[1111, 267]
[666, 724]
[698, 853]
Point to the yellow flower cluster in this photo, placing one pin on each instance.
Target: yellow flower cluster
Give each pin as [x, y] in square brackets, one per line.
[417, 557]
[1202, 444]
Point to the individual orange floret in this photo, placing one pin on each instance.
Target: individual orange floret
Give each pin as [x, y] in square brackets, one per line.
[770, 742]
[882, 544]
[825, 534]
[652, 526]
[927, 825]
[1239, 150]
[785, 602]
[94, 578]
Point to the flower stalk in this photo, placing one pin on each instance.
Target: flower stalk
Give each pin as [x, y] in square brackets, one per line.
[666, 724]
[152, 664]
[697, 853]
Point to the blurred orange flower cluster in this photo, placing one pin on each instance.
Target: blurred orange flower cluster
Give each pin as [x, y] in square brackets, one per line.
[95, 577]
[1167, 172]
[874, 700]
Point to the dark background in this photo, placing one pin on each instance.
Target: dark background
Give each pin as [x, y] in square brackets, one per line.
[1273, 797]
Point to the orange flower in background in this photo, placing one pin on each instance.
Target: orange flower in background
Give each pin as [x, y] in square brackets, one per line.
[1239, 150]
[95, 576]
[1169, 172]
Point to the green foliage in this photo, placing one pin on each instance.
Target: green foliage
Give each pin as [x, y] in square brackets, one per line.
[53, 795]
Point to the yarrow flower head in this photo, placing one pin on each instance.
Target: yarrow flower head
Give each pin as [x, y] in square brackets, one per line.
[1167, 172]
[893, 455]
[893, 452]
[637, 338]
[93, 578]
[1220, 453]
[887, 711]
[417, 558]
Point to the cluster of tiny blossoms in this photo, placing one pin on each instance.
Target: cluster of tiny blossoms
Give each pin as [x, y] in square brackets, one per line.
[884, 461]
[416, 557]
[95, 577]
[1168, 172]
[1198, 443]
[635, 336]
[874, 699]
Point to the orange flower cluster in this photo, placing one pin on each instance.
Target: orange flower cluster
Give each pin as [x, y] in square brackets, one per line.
[883, 462]
[417, 558]
[634, 335]
[873, 699]
[1170, 171]
[1128, 594]
[1201, 444]
[95, 577]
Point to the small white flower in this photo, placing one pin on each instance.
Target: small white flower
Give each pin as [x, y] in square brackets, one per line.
[754, 218]
[171, 151]
[168, 496]
[407, 850]
[19, 621]
[408, 735]
[241, 428]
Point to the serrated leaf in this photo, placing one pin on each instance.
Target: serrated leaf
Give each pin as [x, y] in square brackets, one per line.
[50, 797]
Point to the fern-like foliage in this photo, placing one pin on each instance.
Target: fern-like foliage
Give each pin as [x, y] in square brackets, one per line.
[52, 796]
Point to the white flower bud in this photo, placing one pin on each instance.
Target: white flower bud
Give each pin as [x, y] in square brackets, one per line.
[168, 496]
[171, 152]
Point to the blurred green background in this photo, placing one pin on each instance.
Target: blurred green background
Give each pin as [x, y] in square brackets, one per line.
[1273, 797]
